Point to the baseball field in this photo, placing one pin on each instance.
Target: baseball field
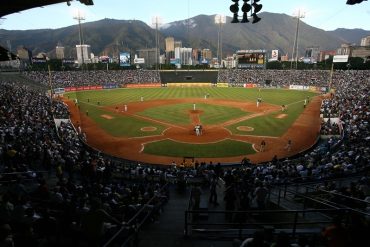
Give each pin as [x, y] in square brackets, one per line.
[157, 125]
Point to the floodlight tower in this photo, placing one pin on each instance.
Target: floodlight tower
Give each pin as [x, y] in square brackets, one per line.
[219, 19]
[156, 22]
[299, 15]
[79, 17]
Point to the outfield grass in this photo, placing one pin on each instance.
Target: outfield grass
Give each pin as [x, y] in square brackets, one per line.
[179, 113]
[226, 148]
[120, 125]
[270, 125]
[127, 95]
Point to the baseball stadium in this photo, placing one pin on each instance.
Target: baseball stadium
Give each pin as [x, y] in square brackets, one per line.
[116, 143]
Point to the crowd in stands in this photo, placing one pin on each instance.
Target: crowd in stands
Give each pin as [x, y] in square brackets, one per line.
[73, 209]
[279, 78]
[60, 213]
[61, 79]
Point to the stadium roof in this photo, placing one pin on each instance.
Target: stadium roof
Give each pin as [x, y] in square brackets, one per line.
[13, 6]
[5, 55]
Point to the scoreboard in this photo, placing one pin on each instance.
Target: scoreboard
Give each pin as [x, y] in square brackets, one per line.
[251, 59]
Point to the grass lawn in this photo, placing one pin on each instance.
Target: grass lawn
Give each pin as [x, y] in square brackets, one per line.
[179, 113]
[120, 125]
[270, 125]
[120, 96]
[226, 148]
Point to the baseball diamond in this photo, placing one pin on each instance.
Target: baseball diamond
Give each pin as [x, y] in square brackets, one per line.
[161, 129]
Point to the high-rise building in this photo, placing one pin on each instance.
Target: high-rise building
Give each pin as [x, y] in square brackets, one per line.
[184, 55]
[59, 50]
[177, 44]
[149, 56]
[83, 53]
[207, 54]
[170, 44]
[196, 56]
[311, 54]
[365, 41]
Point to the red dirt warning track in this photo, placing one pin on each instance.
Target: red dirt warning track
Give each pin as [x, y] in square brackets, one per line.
[303, 132]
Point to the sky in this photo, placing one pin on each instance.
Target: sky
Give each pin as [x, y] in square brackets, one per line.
[324, 14]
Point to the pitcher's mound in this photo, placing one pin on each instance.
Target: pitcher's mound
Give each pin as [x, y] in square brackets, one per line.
[245, 128]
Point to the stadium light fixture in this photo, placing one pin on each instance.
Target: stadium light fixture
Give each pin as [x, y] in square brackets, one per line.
[247, 7]
[353, 2]
[87, 2]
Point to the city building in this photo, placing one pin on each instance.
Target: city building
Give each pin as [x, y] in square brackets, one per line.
[206, 54]
[197, 56]
[184, 55]
[284, 58]
[170, 44]
[83, 53]
[365, 41]
[354, 51]
[149, 56]
[177, 44]
[24, 54]
[345, 49]
[324, 55]
[311, 54]
[59, 51]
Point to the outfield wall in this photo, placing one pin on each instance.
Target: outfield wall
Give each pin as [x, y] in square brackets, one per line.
[142, 85]
[190, 76]
[190, 84]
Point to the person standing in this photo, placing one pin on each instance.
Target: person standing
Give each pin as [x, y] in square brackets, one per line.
[288, 145]
[305, 103]
[263, 145]
[213, 190]
[194, 106]
[260, 194]
[125, 107]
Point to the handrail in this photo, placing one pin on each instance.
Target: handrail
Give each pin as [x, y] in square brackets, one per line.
[27, 172]
[127, 224]
[324, 202]
[242, 225]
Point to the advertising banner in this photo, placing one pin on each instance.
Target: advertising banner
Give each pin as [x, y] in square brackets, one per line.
[340, 59]
[143, 85]
[250, 85]
[299, 87]
[274, 55]
[124, 59]
[222, 84]
[189, 84]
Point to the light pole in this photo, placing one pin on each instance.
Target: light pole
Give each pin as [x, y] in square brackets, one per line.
[80, 18]
[156, 21]
[295, 44]
[219, 19]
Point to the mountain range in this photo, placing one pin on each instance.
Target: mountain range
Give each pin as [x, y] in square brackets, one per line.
[109, 36]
